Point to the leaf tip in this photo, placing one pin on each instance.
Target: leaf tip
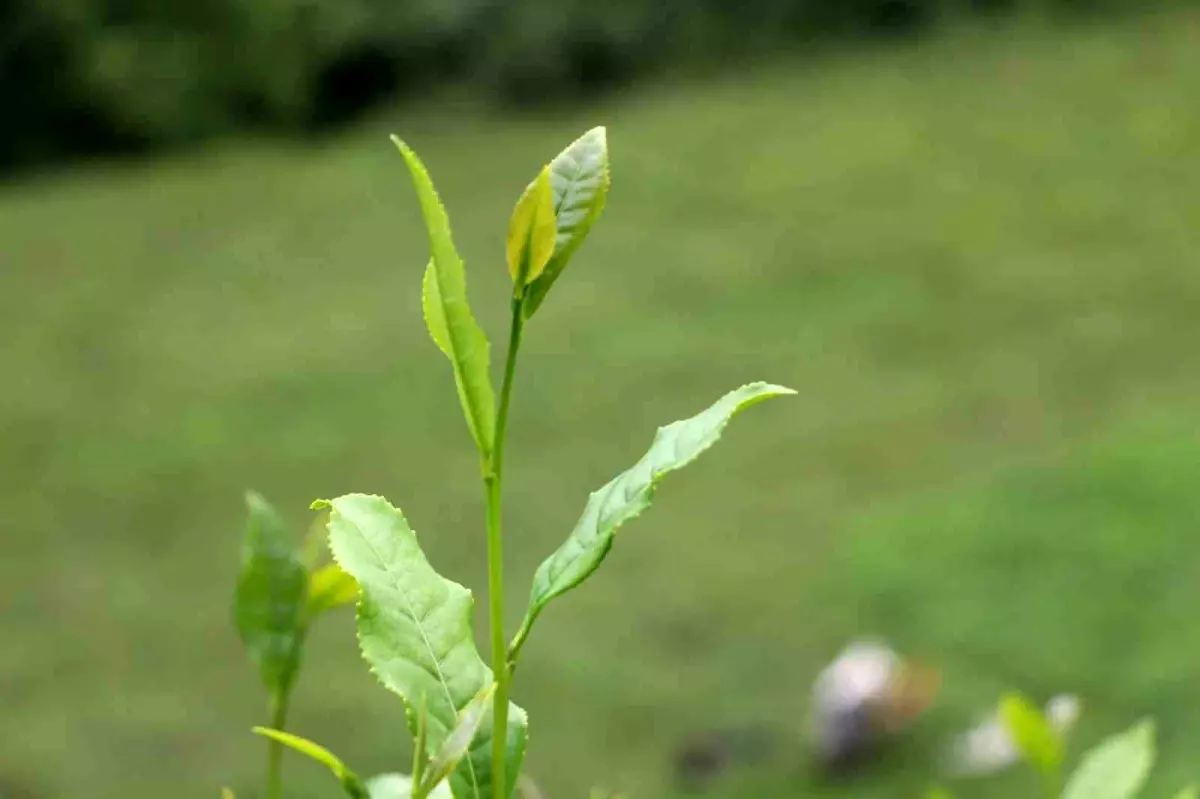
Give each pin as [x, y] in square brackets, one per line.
[321, 504]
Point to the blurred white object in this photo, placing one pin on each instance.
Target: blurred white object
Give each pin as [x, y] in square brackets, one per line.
[989, 748]
[866, 693]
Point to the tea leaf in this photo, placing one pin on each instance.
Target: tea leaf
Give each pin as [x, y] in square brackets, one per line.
[579, 181]
[1117, 768]
[447, 313]
[531, 231]
[329, 587]
[457, 743]
[399, 786]
[345, 776]
[270, 596]
[414, 629]
[627, 495]
[1031, 732]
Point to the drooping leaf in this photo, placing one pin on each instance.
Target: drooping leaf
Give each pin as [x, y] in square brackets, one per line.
[531, 231]
[458, 742]
[1117, 768]
[270, 596]
[447, 313]
[399, 786]
[628, 494]
[330, 587]
[348, 779]
[1033, 734]
[579, 180]
[414, 629]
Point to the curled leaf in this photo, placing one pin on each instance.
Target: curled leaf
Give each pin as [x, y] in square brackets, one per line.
[627, 495]
[579, 180]
[458, 742]
[531, 231]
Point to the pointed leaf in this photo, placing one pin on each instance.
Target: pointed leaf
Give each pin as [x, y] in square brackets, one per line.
[531, 231]
[447, 313]
[1117, 768]
[399, 786]
[1037, 740]
[628, 494]
[330, 587]
[579, 180]
[458, 742]
[414, 628]
[270, 596]
[349, 780]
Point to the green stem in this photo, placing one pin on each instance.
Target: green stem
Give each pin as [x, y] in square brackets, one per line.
[279, 711]
[495, 553]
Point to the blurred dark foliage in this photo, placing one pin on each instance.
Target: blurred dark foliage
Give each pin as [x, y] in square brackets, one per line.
[108, 76]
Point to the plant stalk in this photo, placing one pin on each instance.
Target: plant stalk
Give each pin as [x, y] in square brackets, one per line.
[494, 476]
[279, 711]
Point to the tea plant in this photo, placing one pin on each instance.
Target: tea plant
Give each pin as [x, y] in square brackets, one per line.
[414, 626]
[1116, 768]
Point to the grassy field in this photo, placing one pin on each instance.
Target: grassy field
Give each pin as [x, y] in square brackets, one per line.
[976, 261]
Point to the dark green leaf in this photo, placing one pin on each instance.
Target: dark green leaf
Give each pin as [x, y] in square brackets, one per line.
[628, 494]
[447, 313]
[579, 180]
[1117, 768]
[414, 628]
[348, 779]
[270, 597]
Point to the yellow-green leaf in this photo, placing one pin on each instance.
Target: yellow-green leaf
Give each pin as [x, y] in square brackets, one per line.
[1190, 792]
[531, 231]
[448, 314]
[579, 181]
[330, 587]
[349, 780]
[1033, 734]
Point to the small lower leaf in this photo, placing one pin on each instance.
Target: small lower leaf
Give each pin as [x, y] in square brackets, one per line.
[628, 494]
[1117, 768]
[345, 776]
[1190, 792]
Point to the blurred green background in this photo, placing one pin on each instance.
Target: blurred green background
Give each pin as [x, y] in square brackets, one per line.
[970, 247]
